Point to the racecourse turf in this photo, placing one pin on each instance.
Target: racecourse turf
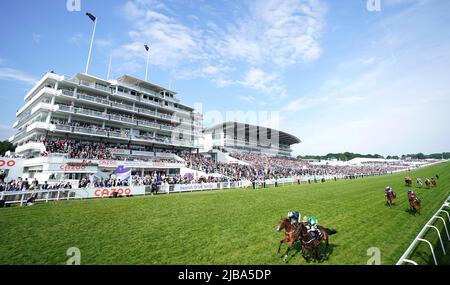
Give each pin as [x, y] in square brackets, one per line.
[225, 227]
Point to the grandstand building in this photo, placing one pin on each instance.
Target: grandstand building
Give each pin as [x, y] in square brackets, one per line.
[249, 138]
[138, 124]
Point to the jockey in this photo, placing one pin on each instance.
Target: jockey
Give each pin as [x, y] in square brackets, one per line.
[388, 189]
[294, 217]
[312, 224]
[411, 195]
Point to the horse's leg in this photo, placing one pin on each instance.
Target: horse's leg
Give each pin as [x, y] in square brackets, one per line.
[279, 246]
[287, 252]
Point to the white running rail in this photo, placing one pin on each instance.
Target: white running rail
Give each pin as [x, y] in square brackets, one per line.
[419, 237]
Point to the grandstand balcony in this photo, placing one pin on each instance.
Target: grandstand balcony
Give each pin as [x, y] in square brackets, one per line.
[127, 121]
[114, 105]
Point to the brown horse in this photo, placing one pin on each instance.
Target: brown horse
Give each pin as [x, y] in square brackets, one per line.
[408, 181]
[414, 204]
[433, 182]
[311, 244]
[390, 197]
[290, 235]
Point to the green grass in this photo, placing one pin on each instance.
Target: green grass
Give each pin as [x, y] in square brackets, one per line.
[223, 227]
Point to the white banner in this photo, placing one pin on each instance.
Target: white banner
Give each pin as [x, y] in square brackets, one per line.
[11, 168]
[119, 151]
[104, 192]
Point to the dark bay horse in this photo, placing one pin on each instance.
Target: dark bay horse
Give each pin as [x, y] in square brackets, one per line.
[291, 236]
[408, 181]
[310, 244]
[390, 197]
[433, 182]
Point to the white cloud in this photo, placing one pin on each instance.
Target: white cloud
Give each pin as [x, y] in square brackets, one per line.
[36, 38]
[6, 132]
[103, 43]
[272, 34]
[266, 83]
[76, 39]
[16, 75]
[282, 32]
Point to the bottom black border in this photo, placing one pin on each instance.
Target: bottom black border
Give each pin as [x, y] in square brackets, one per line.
[221, 274]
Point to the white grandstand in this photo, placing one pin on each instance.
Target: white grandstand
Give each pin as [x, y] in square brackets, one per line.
[139, 125]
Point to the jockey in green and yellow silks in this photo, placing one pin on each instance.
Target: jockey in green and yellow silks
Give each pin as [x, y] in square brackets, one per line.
[311, 224]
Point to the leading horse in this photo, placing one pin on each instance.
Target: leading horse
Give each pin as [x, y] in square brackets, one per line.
[390, 198]
[291, 235]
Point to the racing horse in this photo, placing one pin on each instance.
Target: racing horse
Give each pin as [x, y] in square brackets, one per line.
[311, 244]
[390, 198]
[414, 204]
[408, 182]
[427, 183]
[291, 235]
[419, 183]
[433, 182]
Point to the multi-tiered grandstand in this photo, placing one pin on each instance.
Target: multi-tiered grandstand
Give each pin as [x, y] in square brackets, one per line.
[126, 121]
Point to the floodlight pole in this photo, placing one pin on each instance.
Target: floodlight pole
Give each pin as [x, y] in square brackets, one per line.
[90, 47]
[146, 68]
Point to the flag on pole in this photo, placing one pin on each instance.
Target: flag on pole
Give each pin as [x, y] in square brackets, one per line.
[92, 17]
[146, 47]
[123, 173]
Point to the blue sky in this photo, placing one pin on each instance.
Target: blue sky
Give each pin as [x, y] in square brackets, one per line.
[338, 76]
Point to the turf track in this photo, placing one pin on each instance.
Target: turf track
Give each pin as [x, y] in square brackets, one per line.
[224, 227]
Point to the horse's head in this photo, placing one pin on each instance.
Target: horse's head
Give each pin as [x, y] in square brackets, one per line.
[282, 224]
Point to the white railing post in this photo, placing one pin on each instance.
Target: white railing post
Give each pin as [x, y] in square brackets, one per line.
[448, 215]
[439, 235]
[431, 248]
[445, 225]
[409, 261]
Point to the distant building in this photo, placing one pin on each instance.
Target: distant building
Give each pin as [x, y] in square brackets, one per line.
[249, 138]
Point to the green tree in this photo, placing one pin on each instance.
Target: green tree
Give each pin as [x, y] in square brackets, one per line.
[6, 146]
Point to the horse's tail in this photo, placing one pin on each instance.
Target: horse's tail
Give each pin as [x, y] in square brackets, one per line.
[330, 231]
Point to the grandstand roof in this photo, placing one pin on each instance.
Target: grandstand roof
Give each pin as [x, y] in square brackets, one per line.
[142, 83]
[285, 138]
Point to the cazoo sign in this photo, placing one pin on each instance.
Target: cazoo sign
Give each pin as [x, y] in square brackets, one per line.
[8, 163]
[12, 167]
[104, 192]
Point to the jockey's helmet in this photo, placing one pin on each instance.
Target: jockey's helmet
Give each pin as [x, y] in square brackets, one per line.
[312, 221]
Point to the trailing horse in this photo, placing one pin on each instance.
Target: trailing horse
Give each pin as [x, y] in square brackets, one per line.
[414, 204]
[390, 198]
[419, 183]
[311, 244]
[408, 181]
